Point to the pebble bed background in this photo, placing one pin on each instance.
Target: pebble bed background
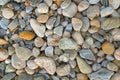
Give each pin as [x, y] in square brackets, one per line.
[59, 40]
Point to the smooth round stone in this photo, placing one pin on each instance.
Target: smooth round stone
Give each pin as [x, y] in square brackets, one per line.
[7, 13]
[116, 76]
[43, 8]
[82, 77]
[77, 24]
[17, 63]
[65, 4]
[70, 11]
[49, 51]
[42, 18]
[29, 71]
[111, 66]
[117, 54]
[108, 48]
[3, 54]
[39, 42]
[35, 52]
[31, 64]
[23, 53]
[63, 70]
[58, 30]
[83, 5]
[115, 3]
[47, 63]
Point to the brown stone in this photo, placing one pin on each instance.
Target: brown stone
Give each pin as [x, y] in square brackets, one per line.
[42, 18]
[82, 77]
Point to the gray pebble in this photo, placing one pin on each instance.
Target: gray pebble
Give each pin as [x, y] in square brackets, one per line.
[24, 76]
[110, 57]
[8, 76]
[50, 22]
[49, 51]
[69, 27]
[96, 67]
[98, 37]
[4, 23]
[2, 68]
[2, 32]
[58, 30]
[3, 2]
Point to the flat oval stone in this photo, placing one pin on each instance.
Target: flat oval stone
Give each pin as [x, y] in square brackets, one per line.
[65, 4]
[83, 5]
[23, 53]
[39, 29]
[7, 13]
[17, 63]
[70, 11]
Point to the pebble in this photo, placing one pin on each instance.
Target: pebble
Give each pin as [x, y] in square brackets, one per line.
[31, 64]
[89, 40]
[50, 22]
[3, 54]
[93, 1]
[13, 25]
[39, 29]
[95, 23]
[53, 40]
[29, 71]
[48, 2]
[3, 2]
[77, 24]
[7, 13]
[83, 66]
[116, 34]
[78, 38]
[17, 63]
[24, 76]
[42, 18]
[49, 51]
[39, 42]
[9, 68]
[106, 11]
[70, 11]
[108, 48]
[58, 30]
[43, 8]
[98, 37]
[87, 54]
[2, 69]
[67, 43]
[111, 66]
[23, 53]
[8, 76]
[47, 63]
[3, 42]
[117, 53]
[63, 70]
[27, 35]
[96, 67]
[110, 23]
[81, 76]
[7, 61]
[93, 11]
[115, 4]
[72, 63]
[69, 27]
[35, 52]
[116, 76]
[4, 23]
[86, 24]
[110, 57]
[65, 4]
[83, 5]
[102, 74]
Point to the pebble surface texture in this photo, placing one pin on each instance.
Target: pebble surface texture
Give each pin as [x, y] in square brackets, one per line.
[59, 39]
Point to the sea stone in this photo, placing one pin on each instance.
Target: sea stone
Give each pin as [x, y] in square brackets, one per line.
[102, 74]
[116, 34]
[31, 64]
[93, 11]
[47, 63]
[39, 42]
[117, 54]
[67, 43]
[42, 18]
[27, 35]
[63, 70]
[65, 4]
[116, 76]
[93, 1]
[106, 11]
[83, 66]
[111, 66]
[17, 63]
[108, 48]
[23, 53]
[3, 54]
[39, 29]
[115, 3]
[50, 22]
[7, 13]
[70, 11]
[78, 38]
[43, 8]
[77, 24]
[83, 5]
[110, 23]
[87, 54]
